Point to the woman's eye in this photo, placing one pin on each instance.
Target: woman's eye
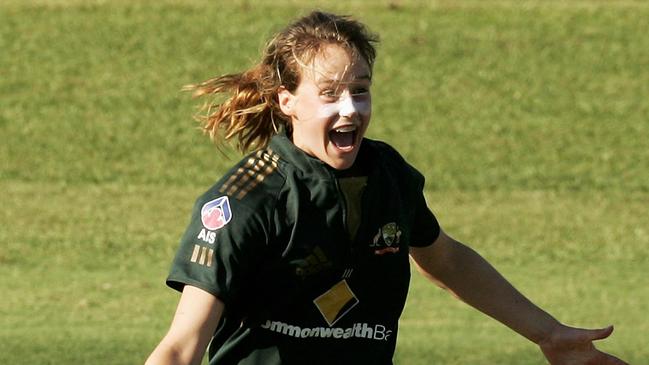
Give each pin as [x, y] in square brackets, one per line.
[329, 94]
[332, 95]
[360, 91]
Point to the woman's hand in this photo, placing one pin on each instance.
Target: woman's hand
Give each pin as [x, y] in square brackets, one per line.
[568, 345]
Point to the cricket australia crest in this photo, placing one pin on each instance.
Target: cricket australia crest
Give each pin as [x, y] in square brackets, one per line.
[387, 239]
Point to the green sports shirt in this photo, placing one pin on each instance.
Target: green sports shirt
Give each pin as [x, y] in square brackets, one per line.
[311, 263]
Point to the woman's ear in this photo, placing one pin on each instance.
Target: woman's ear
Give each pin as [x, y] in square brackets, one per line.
[286, 101]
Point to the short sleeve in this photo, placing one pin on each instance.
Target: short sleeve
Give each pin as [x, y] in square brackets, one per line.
[219, 248]
[425, 229]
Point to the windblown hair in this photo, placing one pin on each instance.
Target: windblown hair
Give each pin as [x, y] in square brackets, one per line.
[250, 113]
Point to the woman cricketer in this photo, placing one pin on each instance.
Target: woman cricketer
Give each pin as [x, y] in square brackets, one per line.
[300, 254]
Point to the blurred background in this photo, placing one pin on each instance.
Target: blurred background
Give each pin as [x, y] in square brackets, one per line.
[529, 120]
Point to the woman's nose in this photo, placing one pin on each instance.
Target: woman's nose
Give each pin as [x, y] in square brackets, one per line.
[347, 106]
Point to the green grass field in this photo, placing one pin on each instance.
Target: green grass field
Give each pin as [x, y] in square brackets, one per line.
[528, 118]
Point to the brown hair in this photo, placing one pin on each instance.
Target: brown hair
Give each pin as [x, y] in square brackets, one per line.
[251, 111]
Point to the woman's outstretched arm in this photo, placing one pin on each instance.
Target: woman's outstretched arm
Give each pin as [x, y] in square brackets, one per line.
[197, 315]
[467, 275]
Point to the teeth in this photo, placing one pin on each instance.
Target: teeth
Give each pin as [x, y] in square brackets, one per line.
[347, 128]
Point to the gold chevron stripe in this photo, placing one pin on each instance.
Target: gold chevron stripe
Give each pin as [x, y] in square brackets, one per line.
[254, 171]
[259, 178]
[232, 179]
[197, 249]
[209, 257]
[202, 255]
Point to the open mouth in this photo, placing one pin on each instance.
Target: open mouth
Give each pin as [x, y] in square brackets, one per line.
[343, 137]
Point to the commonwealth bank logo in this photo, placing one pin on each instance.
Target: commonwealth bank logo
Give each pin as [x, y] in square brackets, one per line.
[336, 302]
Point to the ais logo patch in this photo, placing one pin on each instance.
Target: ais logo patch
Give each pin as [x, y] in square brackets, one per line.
[216, 213]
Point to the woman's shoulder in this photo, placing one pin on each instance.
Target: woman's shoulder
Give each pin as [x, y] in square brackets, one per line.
[384, 152]
[389, 158]
[252, 183]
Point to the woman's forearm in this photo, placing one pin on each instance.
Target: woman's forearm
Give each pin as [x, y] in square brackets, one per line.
[471, 278]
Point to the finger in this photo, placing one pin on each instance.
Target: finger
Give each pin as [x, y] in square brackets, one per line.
[600, 334]
[589, 335]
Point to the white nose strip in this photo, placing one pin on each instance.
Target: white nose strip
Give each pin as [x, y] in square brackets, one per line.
[347, 107]
[328, 110]
[344, 107]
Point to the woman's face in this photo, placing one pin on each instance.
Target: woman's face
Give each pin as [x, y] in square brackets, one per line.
[331, 107]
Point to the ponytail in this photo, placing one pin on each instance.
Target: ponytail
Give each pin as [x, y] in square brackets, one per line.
[250, 115]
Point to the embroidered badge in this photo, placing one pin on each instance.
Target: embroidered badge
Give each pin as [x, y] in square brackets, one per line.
[390, 234]
[216, 213]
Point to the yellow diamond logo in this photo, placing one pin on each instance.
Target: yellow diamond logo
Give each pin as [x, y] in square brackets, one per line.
[336, 302]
